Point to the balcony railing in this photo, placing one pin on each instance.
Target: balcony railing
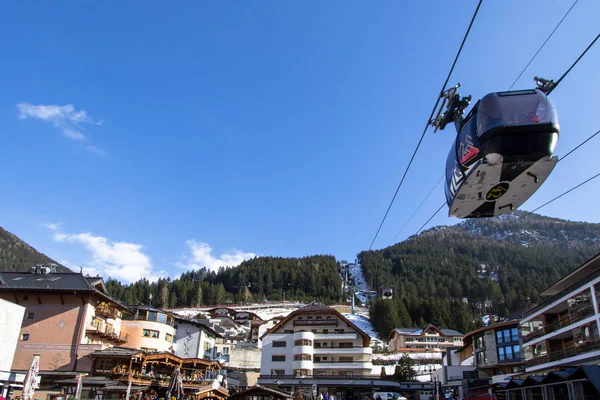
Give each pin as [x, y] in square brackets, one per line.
[561, 323]
[328, 322]
[581, 348]
[107, 311]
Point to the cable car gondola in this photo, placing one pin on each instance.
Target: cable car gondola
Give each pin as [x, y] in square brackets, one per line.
[503, 150]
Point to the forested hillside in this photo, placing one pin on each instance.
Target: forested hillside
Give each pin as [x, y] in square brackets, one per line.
[259, 279]
[438, 277]
[16, 255]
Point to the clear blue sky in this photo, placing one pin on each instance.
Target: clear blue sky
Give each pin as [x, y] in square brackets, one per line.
[211, 131]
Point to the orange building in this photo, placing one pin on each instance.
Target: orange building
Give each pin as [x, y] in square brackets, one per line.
[149, 329]
[68, 316]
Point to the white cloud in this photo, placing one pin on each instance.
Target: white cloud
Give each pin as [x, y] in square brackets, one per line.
[96, 150]
[65, 118]
[200, 256]
[73, 134]
[54, 226]
[121, 260]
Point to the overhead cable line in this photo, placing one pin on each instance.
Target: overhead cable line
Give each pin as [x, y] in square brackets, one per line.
[559, 196]
[579, 145]
[543, 44]
[430, 218]
[427, 124]
[554, 85]
[418, 208]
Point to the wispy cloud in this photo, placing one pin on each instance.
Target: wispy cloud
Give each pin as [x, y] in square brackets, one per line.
[201, 256]
[54, 226]
[65, 118]
[96, 150]
[121, 260]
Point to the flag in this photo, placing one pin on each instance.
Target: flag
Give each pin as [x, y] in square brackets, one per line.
[175, 386]
[128, 390]
[79, 387]
[31, 378]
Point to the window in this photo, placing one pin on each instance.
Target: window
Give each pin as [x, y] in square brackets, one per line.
[162, 318]
[509, 353]
[104, 365]
[225, 350]
[150, 333]
[499, 337]
[206, 346]
[151, 315]
[279, 344]
[277, 372]
[169, 337]
[345, 345]
[302, 357]
[339, 331]
[481, 358]
[25, 297]
[313, 330]
[278, 358]
[170, 320]
[25, 336]
[302, 372]
[506, 335]
[501, 353]
[30, 315]
[479, 344]
[517, 351]
[346, 373]
[302, 342]
[321, 373]
[148, 350]
[346, 359]
[515, 334]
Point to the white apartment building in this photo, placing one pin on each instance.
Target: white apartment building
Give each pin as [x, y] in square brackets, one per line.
[11, 317]
[315, 341]
[563, 329]
[194, 339]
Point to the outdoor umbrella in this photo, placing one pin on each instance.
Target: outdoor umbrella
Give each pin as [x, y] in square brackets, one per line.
[175, 386]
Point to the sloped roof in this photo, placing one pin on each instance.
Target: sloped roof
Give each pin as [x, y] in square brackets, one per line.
[198, 323]
[51, 281]
[421, 331]
[117, 351]
[314, 308]
[55, 282]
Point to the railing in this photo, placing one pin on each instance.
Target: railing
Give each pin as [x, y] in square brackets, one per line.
[323, 376]
[107, 311]
[94, 327]
[581, 348]
[561, 323]
[158, 380]
[332, 322]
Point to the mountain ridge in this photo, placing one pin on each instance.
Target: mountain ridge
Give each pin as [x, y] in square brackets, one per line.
[17, 255]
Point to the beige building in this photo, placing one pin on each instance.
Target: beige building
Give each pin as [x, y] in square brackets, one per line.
[429, 339]
[67, 317]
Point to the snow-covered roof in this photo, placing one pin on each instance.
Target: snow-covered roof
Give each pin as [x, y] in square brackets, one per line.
[419, 332]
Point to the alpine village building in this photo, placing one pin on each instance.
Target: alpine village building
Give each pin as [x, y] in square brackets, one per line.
[76, 328]
[315, 342]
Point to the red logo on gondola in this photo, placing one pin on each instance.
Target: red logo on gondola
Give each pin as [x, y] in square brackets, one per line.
[470, 153]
